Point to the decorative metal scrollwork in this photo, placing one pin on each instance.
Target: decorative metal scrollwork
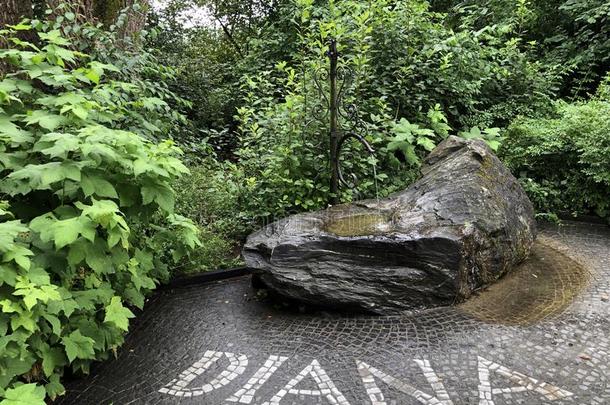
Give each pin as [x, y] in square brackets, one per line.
[344, 118]
[364, 143]
[341, 80]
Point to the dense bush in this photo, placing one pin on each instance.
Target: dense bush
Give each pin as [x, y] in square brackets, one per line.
[422, 70]
[564, 162]
[571, 37]
[415, 81]
[212, 197]
[207, 66]
[87, 205]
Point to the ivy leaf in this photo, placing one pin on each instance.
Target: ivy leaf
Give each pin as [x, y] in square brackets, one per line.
[26, 394]
[117, 314]
[78, 346]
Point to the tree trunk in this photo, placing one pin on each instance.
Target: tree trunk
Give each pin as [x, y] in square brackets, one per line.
[84, 9]
[11, 12]
[136, 19]
[107, 12]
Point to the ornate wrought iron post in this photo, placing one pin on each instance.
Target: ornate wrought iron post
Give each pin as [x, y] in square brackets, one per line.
[334, 124]
[332, 106]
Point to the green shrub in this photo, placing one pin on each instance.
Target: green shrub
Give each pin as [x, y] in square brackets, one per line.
[564, 162]
[86, 208]
[211, 196]
[571, 37]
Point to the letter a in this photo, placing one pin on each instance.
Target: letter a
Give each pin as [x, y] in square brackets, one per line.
[368, 374]
[524, 383]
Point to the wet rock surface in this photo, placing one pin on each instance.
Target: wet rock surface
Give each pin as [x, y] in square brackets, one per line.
[465, 223]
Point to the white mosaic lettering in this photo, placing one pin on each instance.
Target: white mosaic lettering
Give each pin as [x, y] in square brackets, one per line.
[368, 374]
[524, 383]
[326, 386]
[178, 387]
[245, 395]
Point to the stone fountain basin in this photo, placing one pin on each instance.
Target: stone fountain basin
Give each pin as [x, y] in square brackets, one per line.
[464, 224]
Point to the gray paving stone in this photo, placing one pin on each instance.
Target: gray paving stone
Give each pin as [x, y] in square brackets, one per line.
[218, 344]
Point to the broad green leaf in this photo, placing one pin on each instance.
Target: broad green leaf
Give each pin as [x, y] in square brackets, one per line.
[494, 145]
[151, 103]
[15, 366]
[427, 143]
[63, 232]
[162, 195]
[78, 346]
[32, 294]
[20, 255]
[54, 387]
[24, 320]
[97, 258]
[67, 306]
[39, 276]
[52, 357]
[41, 177]
[12, 134]
[44, 119]
[26, 394]
[97, 185]
[8, 274]
[53, 37]
[9, 231]
[54, 322]
[117, 314]
[57, 144]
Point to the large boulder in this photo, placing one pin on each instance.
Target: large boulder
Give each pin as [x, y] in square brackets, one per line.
[462, 225]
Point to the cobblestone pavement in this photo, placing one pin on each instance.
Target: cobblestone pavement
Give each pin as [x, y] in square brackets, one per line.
[216, 344]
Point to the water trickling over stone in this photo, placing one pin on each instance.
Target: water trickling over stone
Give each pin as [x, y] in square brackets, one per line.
[465, 223]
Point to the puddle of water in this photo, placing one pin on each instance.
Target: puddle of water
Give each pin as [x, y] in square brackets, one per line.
[543, 286]
[358, 224]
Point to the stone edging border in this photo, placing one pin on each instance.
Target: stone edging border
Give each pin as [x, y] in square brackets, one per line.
[206, 277]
